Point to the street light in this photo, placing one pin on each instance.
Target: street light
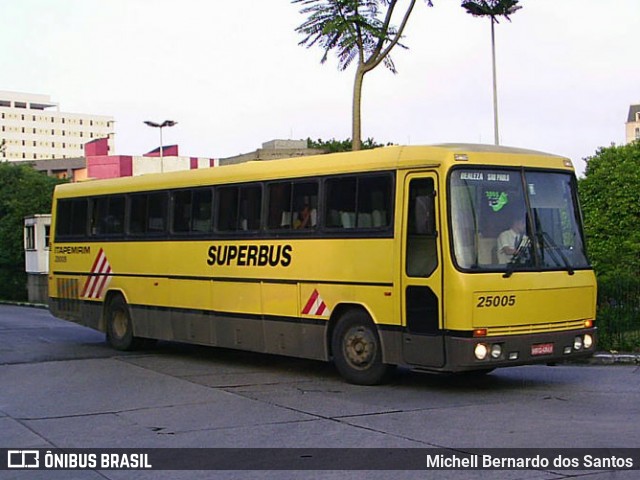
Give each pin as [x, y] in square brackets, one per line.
[166, 123]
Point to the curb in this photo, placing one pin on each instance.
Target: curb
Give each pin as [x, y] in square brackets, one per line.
[609, 358]
[24, 304]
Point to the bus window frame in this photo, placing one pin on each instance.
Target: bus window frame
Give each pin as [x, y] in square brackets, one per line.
[237, 231]
[521, 170]
[386, 230]
[190, 232]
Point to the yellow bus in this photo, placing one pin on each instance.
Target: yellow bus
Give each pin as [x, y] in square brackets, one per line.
[446, 258]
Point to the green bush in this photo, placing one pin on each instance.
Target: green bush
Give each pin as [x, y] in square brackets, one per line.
[23, 192]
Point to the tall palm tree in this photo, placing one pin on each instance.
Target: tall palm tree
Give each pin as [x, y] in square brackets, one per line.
[492, 9]
[359, 30]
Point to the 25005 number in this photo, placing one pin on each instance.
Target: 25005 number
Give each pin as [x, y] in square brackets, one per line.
[496, 301]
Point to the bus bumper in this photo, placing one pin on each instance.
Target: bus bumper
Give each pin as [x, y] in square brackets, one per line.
[464, 354]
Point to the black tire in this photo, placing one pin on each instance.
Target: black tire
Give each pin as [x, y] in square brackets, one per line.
[119, 326]
[357, 352]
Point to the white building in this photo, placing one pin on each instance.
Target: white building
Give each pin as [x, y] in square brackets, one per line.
[36, 256]
[34, 128]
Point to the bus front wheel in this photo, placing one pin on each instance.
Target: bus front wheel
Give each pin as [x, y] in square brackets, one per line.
[119, 326]
[357, 352]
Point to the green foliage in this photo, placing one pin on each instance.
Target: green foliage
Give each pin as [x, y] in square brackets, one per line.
[23, 192]
[610, 199]
[333, 145]
[611, 208]
[491, 8]
[618, 316]
[356, 29]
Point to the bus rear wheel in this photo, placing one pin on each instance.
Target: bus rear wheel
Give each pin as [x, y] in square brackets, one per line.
[357, 351]
[119, 326]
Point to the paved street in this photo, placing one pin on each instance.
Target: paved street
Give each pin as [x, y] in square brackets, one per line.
[62, 386]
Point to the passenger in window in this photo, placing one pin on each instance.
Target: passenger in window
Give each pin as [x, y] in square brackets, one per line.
[304, 218]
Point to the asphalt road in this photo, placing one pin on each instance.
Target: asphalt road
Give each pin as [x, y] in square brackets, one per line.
[61, 386]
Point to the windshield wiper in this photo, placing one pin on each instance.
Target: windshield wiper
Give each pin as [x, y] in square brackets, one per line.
[555, 250]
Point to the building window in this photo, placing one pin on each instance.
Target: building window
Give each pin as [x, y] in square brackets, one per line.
[637, 133]
[30, 237]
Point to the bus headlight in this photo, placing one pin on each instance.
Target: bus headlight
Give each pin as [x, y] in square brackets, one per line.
[496, 351]
[481, 351]
[588, 341]
[577, 343]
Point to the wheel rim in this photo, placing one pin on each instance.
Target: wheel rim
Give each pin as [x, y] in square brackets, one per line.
[360, 347]
[120, 324]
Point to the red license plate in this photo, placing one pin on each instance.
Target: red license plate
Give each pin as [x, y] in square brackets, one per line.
[542, 349]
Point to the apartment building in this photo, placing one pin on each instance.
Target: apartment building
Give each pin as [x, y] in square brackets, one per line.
[633, 123]
[34, 128]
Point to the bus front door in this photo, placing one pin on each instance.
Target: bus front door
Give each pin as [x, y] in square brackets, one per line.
[423, 340]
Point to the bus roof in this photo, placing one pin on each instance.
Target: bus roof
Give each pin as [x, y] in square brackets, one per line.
[379, 159]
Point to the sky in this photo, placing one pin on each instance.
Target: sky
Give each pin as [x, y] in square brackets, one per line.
[233, 76]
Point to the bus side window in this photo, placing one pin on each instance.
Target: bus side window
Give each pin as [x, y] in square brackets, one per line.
[362, 202]
[181, 220]
[374, 202]
[304, 205]
[227, 209]
[250, 207]
[107, 215]
[156, 216]
[201, 210]
[239, 208]
[292, 205]
[341, 202]
[71, 218]
[279, 206]
[147, 213]
[422, 258]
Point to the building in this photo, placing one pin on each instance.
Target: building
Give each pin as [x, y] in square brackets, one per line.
[101, 165]
[273, 150]
[633, 123]
[34, 128]
[36, 256]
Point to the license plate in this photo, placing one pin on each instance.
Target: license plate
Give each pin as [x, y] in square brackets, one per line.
[542, 349]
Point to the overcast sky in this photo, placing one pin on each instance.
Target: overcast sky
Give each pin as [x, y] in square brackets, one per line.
[232, 74]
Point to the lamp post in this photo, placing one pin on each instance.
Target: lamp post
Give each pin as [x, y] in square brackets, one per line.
[492, 9]
[166, 123]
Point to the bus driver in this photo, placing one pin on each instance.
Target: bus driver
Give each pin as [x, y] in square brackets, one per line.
[511, 240]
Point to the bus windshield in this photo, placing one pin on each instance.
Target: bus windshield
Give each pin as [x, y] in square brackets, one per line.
[509, 220]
